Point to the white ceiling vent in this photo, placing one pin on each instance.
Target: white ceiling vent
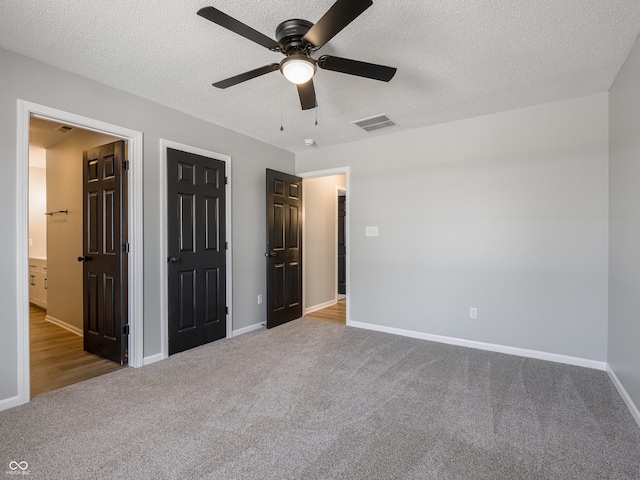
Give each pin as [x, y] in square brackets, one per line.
[375, 123]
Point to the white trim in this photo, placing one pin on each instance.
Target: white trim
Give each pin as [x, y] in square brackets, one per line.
[65, 325]
[635, 413]
[320, 306]
[521, 352]
[325, 173]
[250, 328]
[164, 297]
[11, 402]
[153, 359]
[347, 227]
[22, 257]
[38, 303]
[25, 110]
[136, 257]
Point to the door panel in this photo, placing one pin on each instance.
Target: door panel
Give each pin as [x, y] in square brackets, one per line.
[103, 257]
[187, 300]
[197, 250]
[93, 223]
[294, 289]
[293, 230]
[278, 242]
[212, 288]
[109, 306]
[284, 248]
[212, 235]
[109, 220]
[186, 224]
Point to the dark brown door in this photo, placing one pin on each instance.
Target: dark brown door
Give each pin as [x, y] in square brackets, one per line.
[284, 248]
[342, 248]
[104, 252]
[197, 250]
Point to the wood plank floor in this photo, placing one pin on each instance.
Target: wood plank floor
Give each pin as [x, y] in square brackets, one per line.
[335, 313]
[58, 358]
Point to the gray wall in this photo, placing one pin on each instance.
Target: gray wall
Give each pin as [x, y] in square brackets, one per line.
[506, 213]
[36, 82]
[624, 226]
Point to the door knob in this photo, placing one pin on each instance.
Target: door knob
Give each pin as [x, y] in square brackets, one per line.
[84, 259]
[173, 259]
[272, 254]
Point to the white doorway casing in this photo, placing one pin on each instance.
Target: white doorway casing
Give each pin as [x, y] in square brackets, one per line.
[135, 286]
[164, 311]
[347, 228]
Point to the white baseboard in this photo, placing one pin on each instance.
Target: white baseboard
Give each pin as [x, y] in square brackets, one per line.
[65, 325]
[158, 356]
[320, 306]
[521, 352]
[635, 413]
[10, 402]
[152, 359]
[250, 328]
[38, 303]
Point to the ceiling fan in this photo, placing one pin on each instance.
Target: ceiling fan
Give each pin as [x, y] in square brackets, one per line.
[297, 39]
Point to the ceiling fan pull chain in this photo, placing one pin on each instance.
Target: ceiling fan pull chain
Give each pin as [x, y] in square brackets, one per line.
[316, 116]
[281, 109]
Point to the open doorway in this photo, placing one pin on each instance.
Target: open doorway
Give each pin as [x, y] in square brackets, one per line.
[57, 355]
[133, 139]
[326, 246]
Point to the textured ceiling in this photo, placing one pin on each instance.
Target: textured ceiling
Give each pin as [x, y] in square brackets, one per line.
[46, 134]
[455, 58]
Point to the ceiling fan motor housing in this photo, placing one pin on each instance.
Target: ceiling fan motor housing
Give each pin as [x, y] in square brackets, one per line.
[289, 34]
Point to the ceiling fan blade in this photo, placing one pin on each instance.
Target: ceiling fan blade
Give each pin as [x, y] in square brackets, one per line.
[354, 67]
[341, 14]
[243, 77]
[307, 94]
[230, 23]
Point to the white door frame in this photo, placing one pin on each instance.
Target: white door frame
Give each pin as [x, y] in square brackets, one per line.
[134, 204]
[347, 227]
[164, 282]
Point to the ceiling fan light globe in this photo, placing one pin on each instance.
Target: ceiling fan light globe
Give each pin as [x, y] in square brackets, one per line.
[298, 70]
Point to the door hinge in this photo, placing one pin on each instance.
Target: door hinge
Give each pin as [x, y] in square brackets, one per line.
[226, 180]
[226, 245]
[125, 329]
[125, 165]
[125, 247]
[226, 310]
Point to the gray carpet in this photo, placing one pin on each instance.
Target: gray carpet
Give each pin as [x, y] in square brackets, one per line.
[311, 400]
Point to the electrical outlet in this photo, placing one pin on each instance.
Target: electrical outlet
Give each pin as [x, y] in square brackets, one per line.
[371, 231]
[473, 312]
[259, 299]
